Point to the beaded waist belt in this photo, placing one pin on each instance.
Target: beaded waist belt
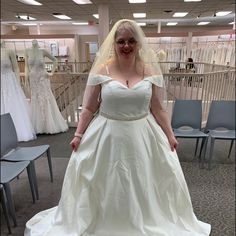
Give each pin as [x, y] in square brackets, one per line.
[123, 118]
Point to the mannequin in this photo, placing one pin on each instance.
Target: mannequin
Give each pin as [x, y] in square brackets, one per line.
[13, 99]
[46, 117]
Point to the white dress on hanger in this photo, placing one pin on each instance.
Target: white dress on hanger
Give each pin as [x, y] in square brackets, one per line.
[13, 100]
[46, 116]
[123, 180]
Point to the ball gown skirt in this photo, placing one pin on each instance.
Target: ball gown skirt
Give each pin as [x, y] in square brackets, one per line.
[123, 180]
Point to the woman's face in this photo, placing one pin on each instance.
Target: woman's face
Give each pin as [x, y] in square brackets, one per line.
[126, 46]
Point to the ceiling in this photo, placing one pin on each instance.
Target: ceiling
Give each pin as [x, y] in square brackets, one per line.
[118, 9]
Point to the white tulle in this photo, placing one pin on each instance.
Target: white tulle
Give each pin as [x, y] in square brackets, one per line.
[13, 101]
[123, 180]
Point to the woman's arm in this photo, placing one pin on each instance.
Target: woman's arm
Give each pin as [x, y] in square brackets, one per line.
[161, 116]
[90, 106]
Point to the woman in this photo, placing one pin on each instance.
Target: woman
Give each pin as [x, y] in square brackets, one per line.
[13, 99]
[46, 117]
[124, 177]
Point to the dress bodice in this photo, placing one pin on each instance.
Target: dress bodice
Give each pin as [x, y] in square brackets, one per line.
[123, 103]
[36, 60]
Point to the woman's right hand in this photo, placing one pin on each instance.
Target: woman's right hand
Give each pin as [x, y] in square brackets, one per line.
[75, 143]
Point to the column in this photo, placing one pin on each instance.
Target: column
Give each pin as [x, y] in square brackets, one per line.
[189, 44]
[103, 27]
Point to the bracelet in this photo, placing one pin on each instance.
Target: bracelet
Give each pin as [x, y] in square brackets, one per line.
[78, 135]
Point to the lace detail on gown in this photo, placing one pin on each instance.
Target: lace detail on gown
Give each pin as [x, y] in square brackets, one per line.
[45, 112]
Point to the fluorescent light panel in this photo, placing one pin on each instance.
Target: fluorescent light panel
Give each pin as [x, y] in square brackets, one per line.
[82, 1]
[223, 13]
[25, 17]
[96, 16]
[180, 14]
[141, 23]
[192, 0]
[30, 2]
[29, 24]
[139, 15]
[137, 1]
[80, 23]
[62, 17]
[203, 23]
[172, 23]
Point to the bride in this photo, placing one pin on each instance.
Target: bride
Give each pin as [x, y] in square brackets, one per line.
[124, 177]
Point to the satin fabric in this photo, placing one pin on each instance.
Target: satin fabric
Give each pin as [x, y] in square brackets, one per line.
[123, 180]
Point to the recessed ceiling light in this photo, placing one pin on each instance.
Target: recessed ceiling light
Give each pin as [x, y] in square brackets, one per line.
[82, 1]
[61, 16]
[223, 13]
[25, 17]
[192, 0]
[203, 23]
[141, 23]
[30, 2]
[137, 1]
[231, 23]
[171, 23]
[80, 23]
[180, 14]
[96, 16]
[139, 15]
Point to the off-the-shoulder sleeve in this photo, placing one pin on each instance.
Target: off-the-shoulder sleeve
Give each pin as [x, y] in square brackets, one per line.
[156, 80]
[95, 79]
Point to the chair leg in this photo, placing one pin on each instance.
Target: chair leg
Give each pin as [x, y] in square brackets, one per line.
[31, 182]
[195, 152]
[211, 152]
[5, 209]
[231, 146]
[10, 202]
[203, 149]
[50, 164]
[35, 179]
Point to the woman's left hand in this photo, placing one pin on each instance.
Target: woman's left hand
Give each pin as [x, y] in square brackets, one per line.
[173, 143]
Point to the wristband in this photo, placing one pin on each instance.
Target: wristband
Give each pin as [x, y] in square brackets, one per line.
[78, 135]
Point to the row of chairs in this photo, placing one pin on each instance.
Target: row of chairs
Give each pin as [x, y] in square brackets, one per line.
[14, 160]
[187, 119]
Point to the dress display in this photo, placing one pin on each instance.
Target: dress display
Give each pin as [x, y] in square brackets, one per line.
[13, 99]
[46, 116]
[123, 180]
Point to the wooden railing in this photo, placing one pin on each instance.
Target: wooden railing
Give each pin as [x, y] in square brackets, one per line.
[68, 88]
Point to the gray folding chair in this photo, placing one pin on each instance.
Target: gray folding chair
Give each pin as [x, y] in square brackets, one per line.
[9, 143]
[186, 120]
[9, 171]
[5, 207]
[220, 125]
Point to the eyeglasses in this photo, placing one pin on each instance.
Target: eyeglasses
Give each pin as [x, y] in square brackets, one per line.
[122, 42]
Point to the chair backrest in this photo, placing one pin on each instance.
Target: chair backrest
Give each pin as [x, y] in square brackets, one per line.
[8, 134]
[187, 113]
[221, 115]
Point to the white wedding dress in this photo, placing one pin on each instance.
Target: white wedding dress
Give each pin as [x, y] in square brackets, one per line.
[46, 116]
[123, 180]
[13, 101]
